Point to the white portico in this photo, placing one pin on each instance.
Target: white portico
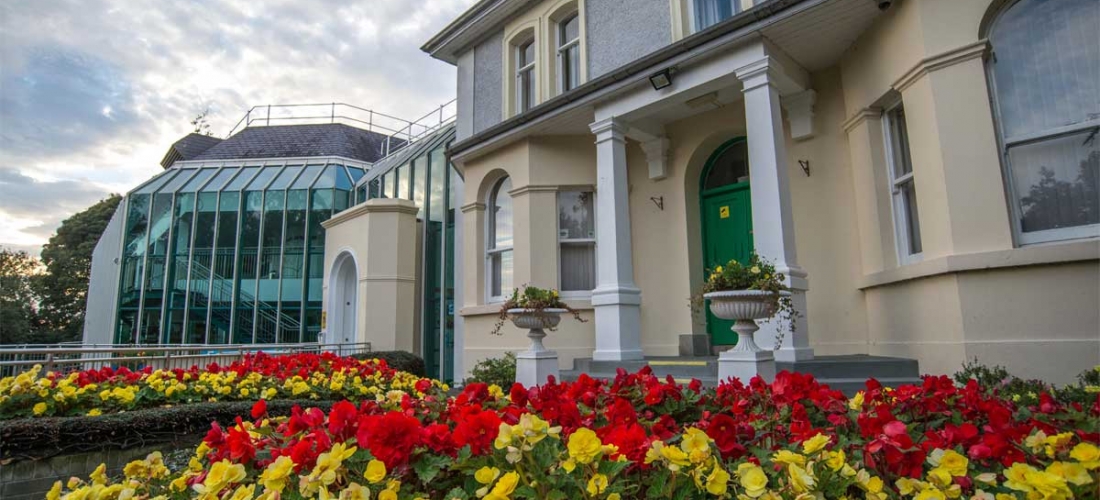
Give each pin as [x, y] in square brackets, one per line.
[768, 82]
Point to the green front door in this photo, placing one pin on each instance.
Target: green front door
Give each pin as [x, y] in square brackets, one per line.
[727, 220]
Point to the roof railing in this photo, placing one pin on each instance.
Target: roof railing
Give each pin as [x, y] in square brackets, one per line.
[398, 131]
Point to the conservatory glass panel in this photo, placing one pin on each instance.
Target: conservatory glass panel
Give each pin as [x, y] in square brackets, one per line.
[243, 179]
[220, 180]
[307, 177]
[197, 180]
[184, 176]
[420, 178]
[264, 177]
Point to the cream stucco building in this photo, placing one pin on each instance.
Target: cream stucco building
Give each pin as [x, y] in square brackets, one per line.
[925, 171]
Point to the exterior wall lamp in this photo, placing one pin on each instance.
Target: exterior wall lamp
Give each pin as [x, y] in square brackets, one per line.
[661, 79]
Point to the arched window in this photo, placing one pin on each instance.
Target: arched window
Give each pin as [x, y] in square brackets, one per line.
[1045, 73]
[499, 251]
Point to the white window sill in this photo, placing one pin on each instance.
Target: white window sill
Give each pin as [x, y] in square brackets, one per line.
[1032, 255]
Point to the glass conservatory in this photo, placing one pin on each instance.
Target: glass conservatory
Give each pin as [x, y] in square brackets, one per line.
[229, 253]
[423, 173]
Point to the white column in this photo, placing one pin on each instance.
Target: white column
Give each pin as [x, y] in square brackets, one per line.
[616, 298]
[772, 219]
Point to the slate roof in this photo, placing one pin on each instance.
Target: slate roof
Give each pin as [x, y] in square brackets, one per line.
[286, 141]
[188, 148]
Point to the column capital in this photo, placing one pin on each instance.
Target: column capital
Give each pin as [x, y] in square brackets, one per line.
[472, 207]
[763, 71]
[609, 129]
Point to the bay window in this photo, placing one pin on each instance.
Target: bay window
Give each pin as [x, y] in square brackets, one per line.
[1045, 79]
[903, 188]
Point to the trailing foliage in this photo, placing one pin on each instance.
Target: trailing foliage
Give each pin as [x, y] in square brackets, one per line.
[537, 300]
[495, 371]
[398, 360]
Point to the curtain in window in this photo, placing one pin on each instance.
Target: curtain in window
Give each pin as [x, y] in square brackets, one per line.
[1046, 71]
[710, 12]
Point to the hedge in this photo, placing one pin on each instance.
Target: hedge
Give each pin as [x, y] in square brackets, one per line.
[37, 438]
[398, 360]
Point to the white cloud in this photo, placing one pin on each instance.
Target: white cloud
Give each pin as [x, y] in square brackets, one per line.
[94, 91]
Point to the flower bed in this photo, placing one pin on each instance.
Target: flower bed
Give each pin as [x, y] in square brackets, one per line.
[642, 437]
[301, 376]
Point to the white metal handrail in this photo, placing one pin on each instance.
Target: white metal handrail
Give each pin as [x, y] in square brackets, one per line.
[65, 358]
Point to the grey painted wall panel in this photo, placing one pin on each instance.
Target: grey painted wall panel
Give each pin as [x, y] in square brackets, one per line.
[620, 31]
[464, 122]
[487, 82]
[103, 282]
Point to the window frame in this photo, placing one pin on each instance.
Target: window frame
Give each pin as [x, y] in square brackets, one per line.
[590, 242]
[899, 208]
[523, 66]
[562, 46]
[1004, 144]
[491, 248]
[693, 21]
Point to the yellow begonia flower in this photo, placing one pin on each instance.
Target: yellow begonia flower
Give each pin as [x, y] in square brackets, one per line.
[801, 479]
[486, 475]
[614, 496]
[696, 444]
[753, 479]
[506, 485]
[836, 460]
[95, 412]
[99, 475]
[40, 408]
[504, 437]
[222, 474]
[275, 476]
[55, 491]
[789, 457]
[597, 484]
[584, 446]
[1074, 473]
[376, 471]
[856, 403]
[930, 494]
[244, 492]
[718, 481]
[815, 444]
[1086, 453]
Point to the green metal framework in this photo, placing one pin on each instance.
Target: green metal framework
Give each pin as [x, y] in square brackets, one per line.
[422, 173]
[229, 252]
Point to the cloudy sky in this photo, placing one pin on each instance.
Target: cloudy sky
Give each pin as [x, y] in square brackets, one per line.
[92, 92]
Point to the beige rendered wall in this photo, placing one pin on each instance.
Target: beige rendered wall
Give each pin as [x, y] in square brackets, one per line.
[538, 167]
[972, 293]
[381, 234]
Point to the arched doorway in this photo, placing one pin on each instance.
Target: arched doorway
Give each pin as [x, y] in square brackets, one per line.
[726, 211]
[345, 293]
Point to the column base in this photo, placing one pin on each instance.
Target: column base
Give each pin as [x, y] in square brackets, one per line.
[744, 365]
[618, 324]
[534, 368]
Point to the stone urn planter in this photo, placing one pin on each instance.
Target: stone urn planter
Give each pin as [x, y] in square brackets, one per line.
[744, 307]
[535, 365]
[535, 322]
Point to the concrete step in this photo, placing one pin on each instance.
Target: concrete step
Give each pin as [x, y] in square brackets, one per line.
[854, 367]
[678, 367]
[848, 373]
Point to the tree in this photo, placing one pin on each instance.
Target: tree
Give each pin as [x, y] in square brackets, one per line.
[67, 257]
[19, 319]
[200, 123]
